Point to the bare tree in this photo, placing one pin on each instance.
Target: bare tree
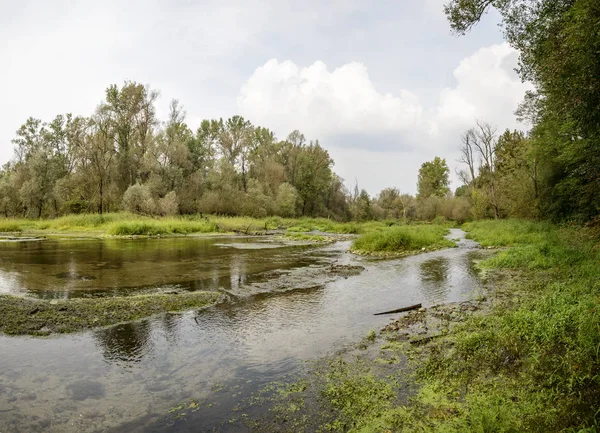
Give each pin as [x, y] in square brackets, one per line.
[478, 152]
[467, 157]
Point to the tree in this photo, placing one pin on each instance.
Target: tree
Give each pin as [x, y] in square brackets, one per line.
[433, 179]
[129, 118]
[389, 199]
[558, 44]
[122, 156]
[312, 176]
[479, 147]
[235, 142]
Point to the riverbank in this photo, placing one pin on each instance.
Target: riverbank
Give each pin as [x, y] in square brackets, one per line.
[522, 356]
[127, 224]
[27, 316]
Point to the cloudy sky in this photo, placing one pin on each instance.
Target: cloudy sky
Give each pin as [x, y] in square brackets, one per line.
[383, 85]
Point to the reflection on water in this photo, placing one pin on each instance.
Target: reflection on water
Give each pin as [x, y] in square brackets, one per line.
[283, 309]
[127, 342]
[109, 267]
[434, 275]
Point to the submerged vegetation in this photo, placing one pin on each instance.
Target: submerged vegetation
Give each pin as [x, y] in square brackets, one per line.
[20, 316]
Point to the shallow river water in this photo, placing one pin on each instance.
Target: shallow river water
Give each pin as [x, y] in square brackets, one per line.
[281, 307]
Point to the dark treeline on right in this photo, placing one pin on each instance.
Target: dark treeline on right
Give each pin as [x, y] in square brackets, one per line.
[554, 171]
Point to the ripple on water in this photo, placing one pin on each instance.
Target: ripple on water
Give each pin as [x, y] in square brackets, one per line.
[284, 312]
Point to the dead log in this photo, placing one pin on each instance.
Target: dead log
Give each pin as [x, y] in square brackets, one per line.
[400, 310]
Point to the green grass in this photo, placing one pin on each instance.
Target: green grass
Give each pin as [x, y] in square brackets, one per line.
[10, 226]
[511, 232]
[124, 224]
[305, 237]
[161, 227]
[402, 239]
[25, 316]
[532, 364]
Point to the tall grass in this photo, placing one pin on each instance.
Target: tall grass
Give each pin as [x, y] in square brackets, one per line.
[402, 238]
[124, 223]
[161, 227]
[10, 226]
[511, 232]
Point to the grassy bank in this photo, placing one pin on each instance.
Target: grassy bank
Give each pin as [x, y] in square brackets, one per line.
[526, 360]
[401, 240]
[127, 224]
[26, 316]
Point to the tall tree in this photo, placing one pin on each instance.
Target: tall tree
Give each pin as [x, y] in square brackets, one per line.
[433, 179]
[558, 43]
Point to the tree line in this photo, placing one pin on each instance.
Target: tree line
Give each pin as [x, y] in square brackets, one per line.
[123, 157]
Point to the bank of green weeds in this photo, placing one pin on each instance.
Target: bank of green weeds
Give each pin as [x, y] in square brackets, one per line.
[306, 237]
[398, 240]
[26, 316]
[528, 362]
[128, 224]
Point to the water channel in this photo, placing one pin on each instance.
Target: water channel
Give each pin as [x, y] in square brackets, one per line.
[281, 307]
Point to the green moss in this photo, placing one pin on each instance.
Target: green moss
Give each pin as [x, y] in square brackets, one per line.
[19, 316]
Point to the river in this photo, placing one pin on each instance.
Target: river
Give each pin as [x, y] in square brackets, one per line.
[282, 306]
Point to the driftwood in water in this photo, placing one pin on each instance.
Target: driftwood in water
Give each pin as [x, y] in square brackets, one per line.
[400, 310]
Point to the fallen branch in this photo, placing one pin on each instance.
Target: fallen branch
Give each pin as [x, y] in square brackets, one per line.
[400, 310]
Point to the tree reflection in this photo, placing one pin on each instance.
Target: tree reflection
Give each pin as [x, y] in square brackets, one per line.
[434, 276]
[128, 342]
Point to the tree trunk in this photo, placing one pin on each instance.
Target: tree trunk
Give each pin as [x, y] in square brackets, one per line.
[101, 206]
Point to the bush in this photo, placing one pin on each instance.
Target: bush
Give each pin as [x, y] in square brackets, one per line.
[169, 204]
[138, 199]
[286, 200]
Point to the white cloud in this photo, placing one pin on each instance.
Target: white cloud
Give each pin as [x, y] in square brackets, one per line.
[365, 127]
[320, 102]
[487, 88]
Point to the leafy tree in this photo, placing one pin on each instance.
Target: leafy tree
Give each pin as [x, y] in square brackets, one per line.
[558, 43]
[433, 179]
[138, 199]
[286, 201]
[391, 203]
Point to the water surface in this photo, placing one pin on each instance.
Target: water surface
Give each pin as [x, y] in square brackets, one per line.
[283, 307]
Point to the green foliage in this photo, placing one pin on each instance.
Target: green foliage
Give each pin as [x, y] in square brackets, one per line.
[509, 232]
[402, 239]
[8, 226]
[433, 179]
[305, 237]
[138, 199]
[356, 395]
[558, 42]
